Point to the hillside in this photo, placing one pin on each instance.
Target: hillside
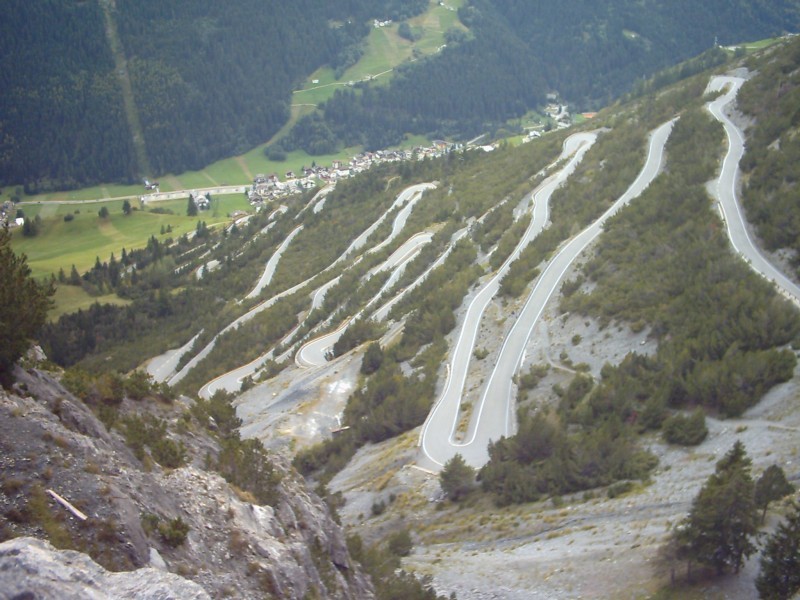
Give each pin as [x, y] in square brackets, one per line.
[114, 91]
[193, 82]
[588, 321]
[159, 506]
[589, 53]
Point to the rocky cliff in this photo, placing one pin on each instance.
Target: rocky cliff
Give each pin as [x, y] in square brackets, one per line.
[182, 533]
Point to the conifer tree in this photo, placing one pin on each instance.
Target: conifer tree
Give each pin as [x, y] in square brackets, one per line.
[457, 478]
[74, 276]
[191, 207]
[771, 486]
[723, 520]
[24, 303]
[373, 358]
[779, 577]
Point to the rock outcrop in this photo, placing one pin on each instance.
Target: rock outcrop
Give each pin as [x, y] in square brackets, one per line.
[32, 568]
[232, 546]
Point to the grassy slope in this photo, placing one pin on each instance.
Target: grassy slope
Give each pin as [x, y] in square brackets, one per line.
[79, 242]
[70, 298]
[384, 51]
[61, 244]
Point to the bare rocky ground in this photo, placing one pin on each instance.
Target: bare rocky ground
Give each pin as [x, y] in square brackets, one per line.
[299, 406]
[233, 547]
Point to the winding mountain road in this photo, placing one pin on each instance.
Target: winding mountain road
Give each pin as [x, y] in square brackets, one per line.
[231, 381]
[726, 194]
[272, 264]
[314, 353]
[494, 415]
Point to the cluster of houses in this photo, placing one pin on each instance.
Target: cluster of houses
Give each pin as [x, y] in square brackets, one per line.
[201, 201]
[8, 216]
[270, 187]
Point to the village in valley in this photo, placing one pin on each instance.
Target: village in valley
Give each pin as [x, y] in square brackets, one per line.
[270, 187]
[267, 188]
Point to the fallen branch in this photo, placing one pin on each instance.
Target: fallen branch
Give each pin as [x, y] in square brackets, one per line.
[67, 505]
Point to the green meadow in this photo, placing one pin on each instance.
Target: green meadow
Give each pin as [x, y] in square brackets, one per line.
[60, 244]
[760, 44]
[384, 50]
[70, 298]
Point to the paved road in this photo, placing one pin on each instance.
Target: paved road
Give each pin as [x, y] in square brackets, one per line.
[726, 194]
[214, 191]
[435, 438]
[272, 264]
[494, 416]
[404, 196]
[162, 367]
[243, 319]
[314, 353]
[402, 217]
[383, 312]
[231, 381]
[318, 201]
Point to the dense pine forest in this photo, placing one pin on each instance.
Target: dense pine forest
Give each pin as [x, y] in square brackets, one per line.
[98, 92]
[516, 52]
[208, 80]
[61, 111]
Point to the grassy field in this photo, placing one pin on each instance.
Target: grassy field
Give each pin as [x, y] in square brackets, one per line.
[69, 298]
[384, 51]
[761, 44]
[61, 244]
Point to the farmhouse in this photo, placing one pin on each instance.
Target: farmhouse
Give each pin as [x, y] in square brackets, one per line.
[202, 202]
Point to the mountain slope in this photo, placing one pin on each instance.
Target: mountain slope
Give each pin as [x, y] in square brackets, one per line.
[210, 81]
[659, 329]
[517, 51]
[230, 544]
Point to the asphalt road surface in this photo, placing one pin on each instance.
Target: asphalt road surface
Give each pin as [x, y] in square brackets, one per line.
[493, 417]
[726, 194]
[231, 381]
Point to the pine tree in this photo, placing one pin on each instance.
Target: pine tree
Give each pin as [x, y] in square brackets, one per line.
[126, 207]
[779, 577]
[74, 276]
[113, 271]
[372, 360]
[771, 486]
[24, 303]
[457, 478]
[723, 518]
[191, 207]
[29, 228]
